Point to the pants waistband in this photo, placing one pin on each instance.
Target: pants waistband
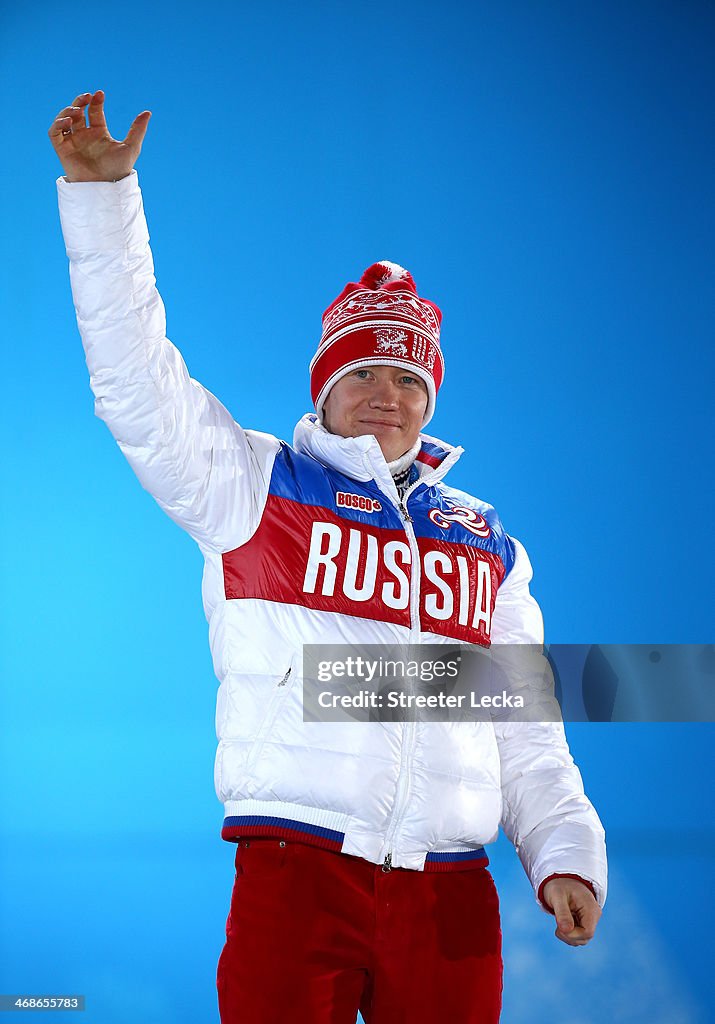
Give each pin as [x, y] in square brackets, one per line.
[249, 827]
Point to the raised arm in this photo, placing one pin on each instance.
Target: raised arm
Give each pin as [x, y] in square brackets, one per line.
[202, 468]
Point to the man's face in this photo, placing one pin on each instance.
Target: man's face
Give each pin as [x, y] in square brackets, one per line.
[387, 401]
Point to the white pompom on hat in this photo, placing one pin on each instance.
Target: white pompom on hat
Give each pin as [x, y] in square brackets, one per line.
[379, 320]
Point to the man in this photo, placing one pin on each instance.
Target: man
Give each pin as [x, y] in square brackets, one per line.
[361, 878]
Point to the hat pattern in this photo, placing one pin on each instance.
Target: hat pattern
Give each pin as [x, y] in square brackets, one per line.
[380, 320]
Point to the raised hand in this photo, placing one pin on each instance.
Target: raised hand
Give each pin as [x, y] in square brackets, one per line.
[88, 152]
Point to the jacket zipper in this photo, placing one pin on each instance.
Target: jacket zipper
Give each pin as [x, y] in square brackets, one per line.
[409, 734]
[405, 514]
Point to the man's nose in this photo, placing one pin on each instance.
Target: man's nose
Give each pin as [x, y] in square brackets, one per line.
[385, 395]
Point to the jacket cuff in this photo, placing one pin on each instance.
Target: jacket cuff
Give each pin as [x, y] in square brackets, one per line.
[102, 216]
[561, 874]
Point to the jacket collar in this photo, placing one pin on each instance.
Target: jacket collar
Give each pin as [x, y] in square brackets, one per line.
[361, 457]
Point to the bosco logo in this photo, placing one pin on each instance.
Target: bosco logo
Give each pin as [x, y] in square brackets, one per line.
[347, 499]
[462, 515]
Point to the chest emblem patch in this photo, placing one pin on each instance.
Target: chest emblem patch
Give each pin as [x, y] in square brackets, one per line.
[464, 516]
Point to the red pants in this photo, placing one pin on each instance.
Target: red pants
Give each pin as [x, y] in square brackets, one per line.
[313, 936]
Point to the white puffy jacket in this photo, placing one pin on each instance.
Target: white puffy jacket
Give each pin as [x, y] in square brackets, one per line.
[308, 544]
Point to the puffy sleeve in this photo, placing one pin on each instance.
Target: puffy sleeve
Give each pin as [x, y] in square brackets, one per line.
[545, 812]
[208, 474]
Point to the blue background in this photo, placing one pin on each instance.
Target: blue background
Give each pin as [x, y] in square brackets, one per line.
[545, 171]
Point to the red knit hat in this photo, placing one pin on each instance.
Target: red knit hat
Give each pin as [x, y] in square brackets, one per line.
[383, 321]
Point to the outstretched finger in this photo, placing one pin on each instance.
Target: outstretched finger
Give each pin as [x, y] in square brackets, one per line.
[80, 102]
[135, 135]
[96, 110]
